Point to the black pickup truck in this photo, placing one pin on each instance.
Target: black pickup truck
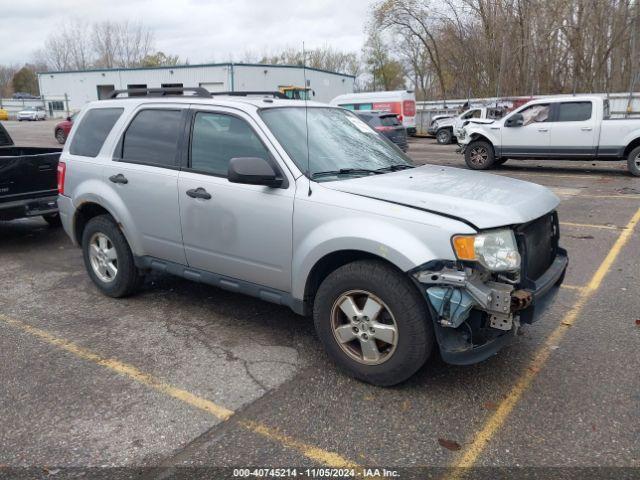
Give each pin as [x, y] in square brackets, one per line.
[28, 181]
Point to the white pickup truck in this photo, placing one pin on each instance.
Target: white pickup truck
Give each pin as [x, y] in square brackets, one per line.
[565, 128]
[446, 129]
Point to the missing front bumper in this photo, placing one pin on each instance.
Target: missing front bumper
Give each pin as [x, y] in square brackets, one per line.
[472, 332]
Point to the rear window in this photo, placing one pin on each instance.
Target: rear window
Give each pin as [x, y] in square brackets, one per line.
[574, 111]
[93, 130]
[152, 138]
[389, 121]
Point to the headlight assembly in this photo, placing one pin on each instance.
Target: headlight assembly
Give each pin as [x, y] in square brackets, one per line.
[495, 250]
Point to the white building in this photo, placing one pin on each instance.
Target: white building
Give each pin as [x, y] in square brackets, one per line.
[70, 90]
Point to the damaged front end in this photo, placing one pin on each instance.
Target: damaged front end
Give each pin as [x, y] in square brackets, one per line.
[474, 312]
[479, 302]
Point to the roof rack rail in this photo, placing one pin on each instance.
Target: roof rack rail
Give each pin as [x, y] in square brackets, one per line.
[160, 92]
[239, 93]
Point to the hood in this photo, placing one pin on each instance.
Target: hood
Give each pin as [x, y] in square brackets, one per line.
[446, 121]
[481, 199]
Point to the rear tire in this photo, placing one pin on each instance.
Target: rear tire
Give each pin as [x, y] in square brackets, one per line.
[108, 258]
[633, 162]
[53, 219]
[444, 136]
[60, 136]
[479, 155]
[399, 330]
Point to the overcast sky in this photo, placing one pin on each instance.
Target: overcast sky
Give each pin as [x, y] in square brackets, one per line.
[200, 30]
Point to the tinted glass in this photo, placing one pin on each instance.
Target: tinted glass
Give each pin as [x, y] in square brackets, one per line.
[152, 137]
[574, 111]
[217, 138]
[93, 130]
[337, 140]
[390, 121]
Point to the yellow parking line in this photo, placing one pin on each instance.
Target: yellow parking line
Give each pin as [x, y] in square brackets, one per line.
[590, 225]
[314, 453]
[482, 438]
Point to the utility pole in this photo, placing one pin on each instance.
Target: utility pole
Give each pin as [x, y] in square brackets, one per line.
[633, 74]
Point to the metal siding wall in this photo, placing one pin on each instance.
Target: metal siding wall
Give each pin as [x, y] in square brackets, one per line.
[81, 87]
[326, 85]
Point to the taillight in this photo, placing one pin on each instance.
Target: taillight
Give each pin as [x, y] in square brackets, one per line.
[400, 117]
[384, 128]
[62, 170]
[409, 108]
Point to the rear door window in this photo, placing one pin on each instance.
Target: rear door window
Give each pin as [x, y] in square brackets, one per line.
[152, 138]
[574, 111]
[93, 130]
[217, 138]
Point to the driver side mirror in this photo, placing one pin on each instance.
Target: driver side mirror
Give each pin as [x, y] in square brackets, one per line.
[253, 171]
[515, 120]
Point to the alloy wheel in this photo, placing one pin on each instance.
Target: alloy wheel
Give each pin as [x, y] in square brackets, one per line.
[103, 257]
[479, 156]
[364, 327]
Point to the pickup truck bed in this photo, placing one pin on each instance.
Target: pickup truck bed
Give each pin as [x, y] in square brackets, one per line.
[28, 180]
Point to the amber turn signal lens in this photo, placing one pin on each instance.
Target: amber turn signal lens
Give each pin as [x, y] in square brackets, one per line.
[463, 246]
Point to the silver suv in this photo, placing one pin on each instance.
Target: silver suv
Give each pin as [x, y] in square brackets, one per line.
[305, 205]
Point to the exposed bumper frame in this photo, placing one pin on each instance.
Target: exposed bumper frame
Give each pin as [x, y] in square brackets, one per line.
[455, 352]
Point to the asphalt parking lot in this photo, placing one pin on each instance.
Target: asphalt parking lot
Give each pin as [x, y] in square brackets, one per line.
[184, 375]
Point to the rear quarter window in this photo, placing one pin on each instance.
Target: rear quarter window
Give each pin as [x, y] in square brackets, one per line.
[93, 130]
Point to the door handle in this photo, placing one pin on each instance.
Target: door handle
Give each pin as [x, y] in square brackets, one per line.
[199, 193]
[586, 129]
[119, 178]
[543, 130]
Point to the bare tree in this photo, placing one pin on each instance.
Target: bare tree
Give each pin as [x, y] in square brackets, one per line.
[517, 47]
[79, 45]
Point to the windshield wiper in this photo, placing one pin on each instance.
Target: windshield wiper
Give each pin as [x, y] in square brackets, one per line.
[345, 171]
[395, 168]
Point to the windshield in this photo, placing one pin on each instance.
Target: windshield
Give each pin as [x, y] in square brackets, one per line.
[340, 144]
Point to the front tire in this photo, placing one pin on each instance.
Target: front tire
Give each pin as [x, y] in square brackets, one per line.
[373, 322]
[633, 162]
[444, 136]
[479, 155]
[108, 258]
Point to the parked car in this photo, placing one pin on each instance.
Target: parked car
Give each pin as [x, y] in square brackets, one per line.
[62, 129]
[446, 129]
[401, 102]
[388, 125]
[4, 115]
[25, 96]
[28, 181]
[569, 128]
[32, 114]
[392, 261]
